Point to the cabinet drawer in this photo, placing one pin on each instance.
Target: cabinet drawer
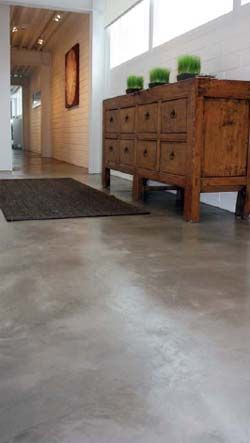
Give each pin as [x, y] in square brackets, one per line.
[112, 121]
[127, 152]
[174, 116]
[111, 147]
[147, 118]
[173, 158]
[127, 119]
[146, 154]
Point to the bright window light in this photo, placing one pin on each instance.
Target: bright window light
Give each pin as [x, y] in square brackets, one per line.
[175, 17]
[17, 104]
[129, 35]
[244, 2]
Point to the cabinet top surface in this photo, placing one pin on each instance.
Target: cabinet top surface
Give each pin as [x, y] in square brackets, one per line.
[200, 86]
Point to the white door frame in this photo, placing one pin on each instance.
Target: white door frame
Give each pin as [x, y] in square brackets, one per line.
[95, 8]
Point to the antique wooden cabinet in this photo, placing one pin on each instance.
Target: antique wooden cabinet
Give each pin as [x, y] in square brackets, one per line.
[193, 134]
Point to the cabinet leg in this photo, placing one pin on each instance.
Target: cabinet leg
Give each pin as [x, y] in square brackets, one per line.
[106, 177]
[180, 197]
[192, 204]
[243, 203]
[138, 188]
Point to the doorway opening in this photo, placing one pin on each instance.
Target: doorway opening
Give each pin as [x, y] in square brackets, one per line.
[40, 42]
[16, 110]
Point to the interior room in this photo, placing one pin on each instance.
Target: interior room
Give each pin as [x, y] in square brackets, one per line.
[124, 221]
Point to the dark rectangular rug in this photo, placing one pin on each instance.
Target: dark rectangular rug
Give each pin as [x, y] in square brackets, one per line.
[44, 199]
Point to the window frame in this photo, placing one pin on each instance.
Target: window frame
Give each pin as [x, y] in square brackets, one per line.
[237, 9]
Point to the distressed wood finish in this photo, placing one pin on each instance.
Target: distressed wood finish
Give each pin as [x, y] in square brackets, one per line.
[192, 135]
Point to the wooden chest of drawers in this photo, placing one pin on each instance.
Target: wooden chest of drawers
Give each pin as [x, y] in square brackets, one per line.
[192, 134]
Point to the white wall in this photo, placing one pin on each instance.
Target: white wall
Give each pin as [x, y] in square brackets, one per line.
[224, 47]
[5, 131]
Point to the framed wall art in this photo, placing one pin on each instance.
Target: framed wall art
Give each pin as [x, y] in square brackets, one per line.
[72, 74]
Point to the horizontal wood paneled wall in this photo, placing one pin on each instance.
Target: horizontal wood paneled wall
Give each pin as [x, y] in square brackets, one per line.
[35, 115]
[70, 128]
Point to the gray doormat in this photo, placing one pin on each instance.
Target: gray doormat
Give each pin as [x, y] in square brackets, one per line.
[44, 199]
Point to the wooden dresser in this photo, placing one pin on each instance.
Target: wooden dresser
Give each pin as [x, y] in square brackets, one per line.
[193, 134]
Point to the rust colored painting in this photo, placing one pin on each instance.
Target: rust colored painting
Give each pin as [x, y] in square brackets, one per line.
[72, 77]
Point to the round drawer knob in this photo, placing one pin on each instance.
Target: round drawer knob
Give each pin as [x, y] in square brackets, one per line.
[126, 149]
[111, 148]
[145, 152]
[111, 119]
[147, 115]
[172, 155]
[127, 118]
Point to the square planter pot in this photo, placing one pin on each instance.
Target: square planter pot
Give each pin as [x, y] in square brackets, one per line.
[133, 90]
[154, 84]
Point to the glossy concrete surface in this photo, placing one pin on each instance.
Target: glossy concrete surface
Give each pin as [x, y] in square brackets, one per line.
[126, 329]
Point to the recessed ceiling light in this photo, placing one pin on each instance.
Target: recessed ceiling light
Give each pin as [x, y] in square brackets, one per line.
[40, 41]
[14, 29]
[57, 18]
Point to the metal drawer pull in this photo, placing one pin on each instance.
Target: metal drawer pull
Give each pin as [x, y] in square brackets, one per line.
[127, 118]
[172, 155]
[111, 148]
[147, 115]
[145, 152]
[126, 149]
[173, 114]
[111, 119]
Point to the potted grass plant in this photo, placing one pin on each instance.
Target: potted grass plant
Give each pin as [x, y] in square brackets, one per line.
[159, 76]
[189, 66]
[134, 84]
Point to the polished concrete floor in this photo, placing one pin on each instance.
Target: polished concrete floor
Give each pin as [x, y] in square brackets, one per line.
[125, 329]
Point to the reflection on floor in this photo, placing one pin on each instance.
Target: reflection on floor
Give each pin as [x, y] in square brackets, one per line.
[124, 329]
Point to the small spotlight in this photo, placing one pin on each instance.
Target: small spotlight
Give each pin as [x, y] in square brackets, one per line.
[14, 29]
[57, 18]
[40, 41]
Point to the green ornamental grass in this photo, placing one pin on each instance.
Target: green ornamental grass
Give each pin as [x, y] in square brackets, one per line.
[135, 82]
[189, 64]
[159, 75]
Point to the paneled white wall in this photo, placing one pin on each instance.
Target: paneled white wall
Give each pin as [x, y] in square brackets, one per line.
[70, 127]
[35, 115]
[224, 47]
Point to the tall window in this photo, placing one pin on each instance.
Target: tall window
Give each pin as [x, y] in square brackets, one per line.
[129, 35]
[175, 17]
[244, 2]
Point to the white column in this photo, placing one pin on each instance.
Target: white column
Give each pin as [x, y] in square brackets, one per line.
[5, 133]
[96, 87]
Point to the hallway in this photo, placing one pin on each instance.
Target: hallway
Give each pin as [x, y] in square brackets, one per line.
[123, 329]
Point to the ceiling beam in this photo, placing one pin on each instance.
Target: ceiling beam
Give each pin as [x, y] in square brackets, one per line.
[25, 57]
